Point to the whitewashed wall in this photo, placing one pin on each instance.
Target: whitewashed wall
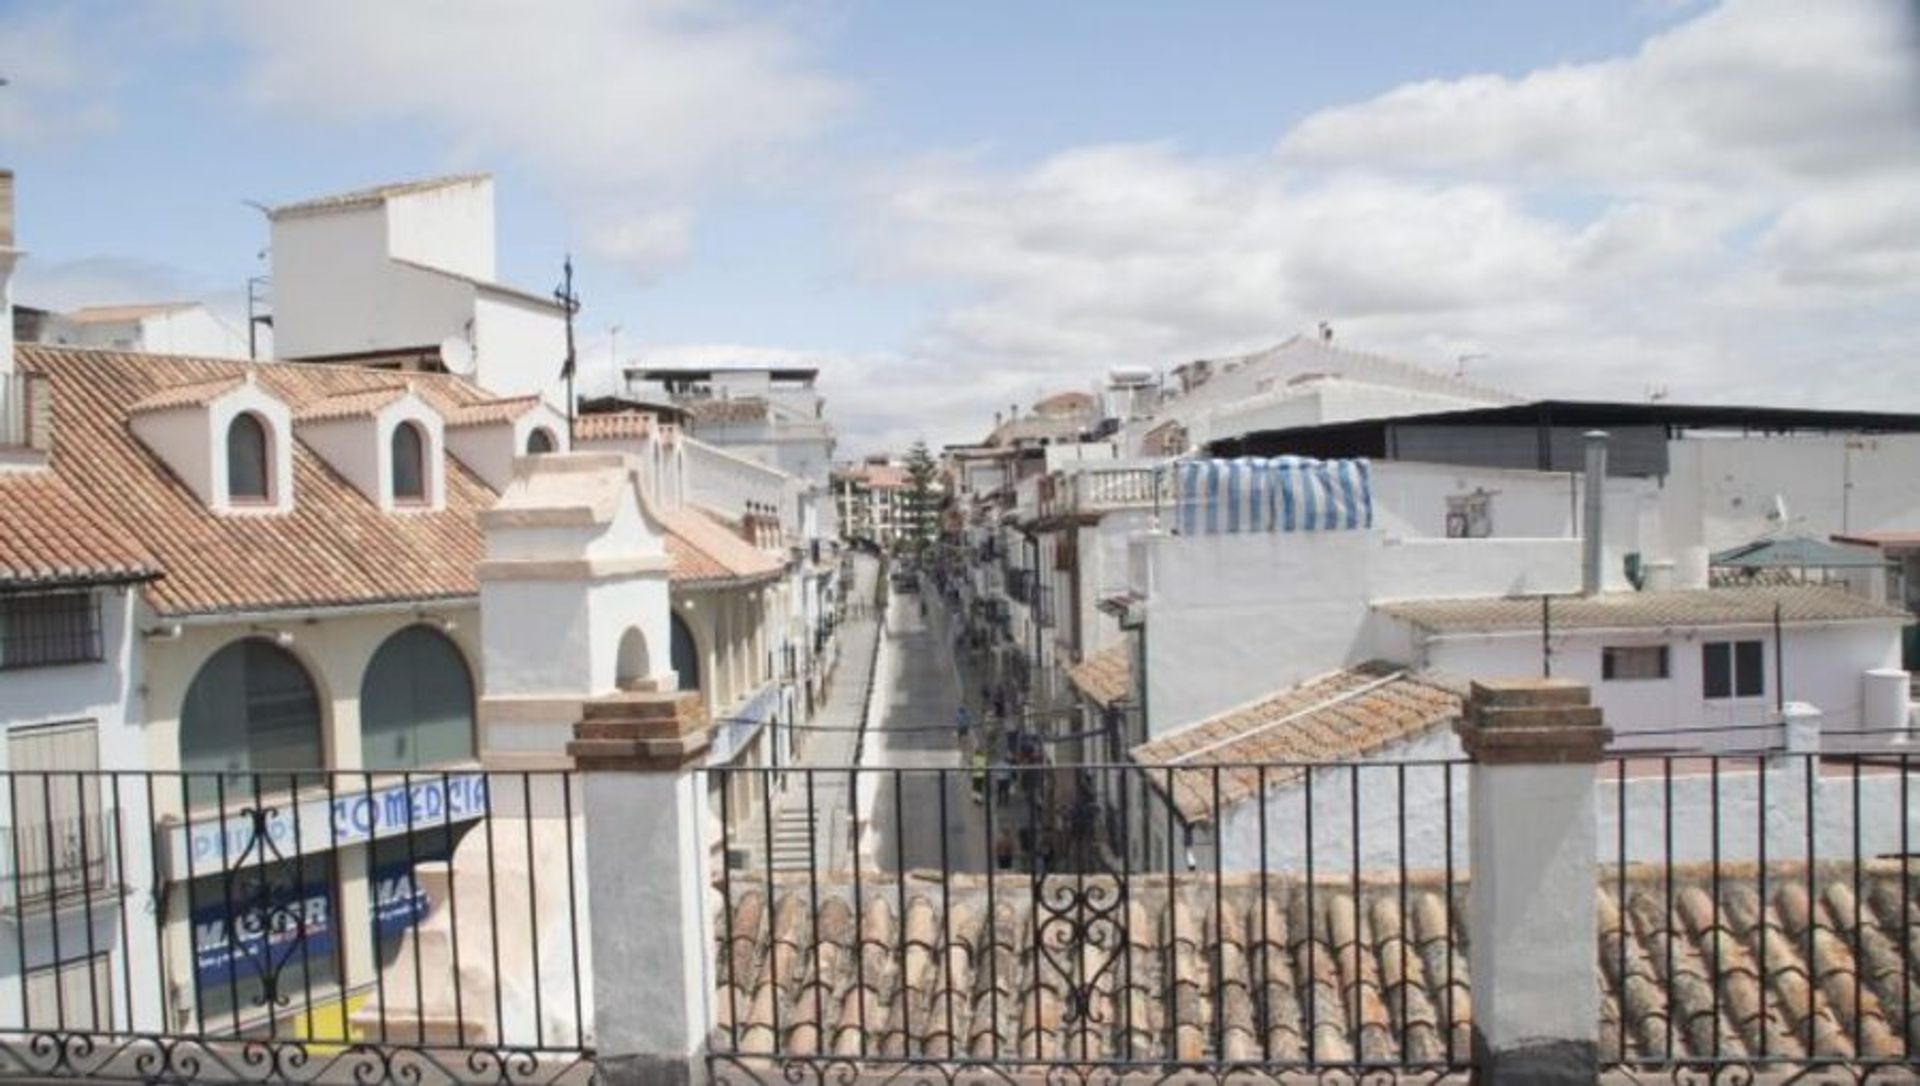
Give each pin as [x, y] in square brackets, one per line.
[1825, 666]
[1233, 617]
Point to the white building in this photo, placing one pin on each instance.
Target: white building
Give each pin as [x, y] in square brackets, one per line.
[403, 276]
[184, 328]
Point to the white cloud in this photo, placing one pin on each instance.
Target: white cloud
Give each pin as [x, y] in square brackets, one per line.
[1729, 212]
[57, 83]
[627, 109]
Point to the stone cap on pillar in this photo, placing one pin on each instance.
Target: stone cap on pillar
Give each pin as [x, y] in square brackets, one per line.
[641, 731]
[1532, 722]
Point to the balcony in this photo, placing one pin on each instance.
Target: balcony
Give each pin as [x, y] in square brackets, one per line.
[1100, 490]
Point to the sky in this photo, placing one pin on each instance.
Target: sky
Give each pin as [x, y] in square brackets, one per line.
[954, 207]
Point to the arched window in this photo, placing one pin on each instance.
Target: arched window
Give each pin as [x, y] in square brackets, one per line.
[416, 703]
[686, 654]
[251, 709]
[632, 663]
[248, 477]
[409, 463]
[539, 441]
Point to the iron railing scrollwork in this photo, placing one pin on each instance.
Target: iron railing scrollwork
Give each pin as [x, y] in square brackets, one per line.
[368, 927]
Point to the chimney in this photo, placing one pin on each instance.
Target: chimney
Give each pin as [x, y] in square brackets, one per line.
[1593, 514]
[8, 255]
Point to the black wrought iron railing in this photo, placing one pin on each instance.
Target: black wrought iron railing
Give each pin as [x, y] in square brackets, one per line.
[1263, 921]
[305, 926]
[1758, 915]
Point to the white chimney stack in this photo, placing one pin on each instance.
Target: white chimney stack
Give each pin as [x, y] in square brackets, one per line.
[1593, 516]
[8, 256]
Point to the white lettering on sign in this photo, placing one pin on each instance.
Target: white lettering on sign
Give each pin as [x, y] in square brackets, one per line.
[323, 823]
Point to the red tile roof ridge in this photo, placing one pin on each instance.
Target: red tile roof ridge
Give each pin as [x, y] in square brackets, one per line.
[191, 394]
[347, 404]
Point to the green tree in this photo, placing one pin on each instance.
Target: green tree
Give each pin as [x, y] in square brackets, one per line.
[923, 499]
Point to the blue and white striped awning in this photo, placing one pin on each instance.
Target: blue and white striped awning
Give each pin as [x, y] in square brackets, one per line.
[1278, 494]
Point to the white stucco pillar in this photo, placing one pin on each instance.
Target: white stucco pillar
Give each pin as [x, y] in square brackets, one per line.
[1802, 723]
[646, 856]
[1532, 929]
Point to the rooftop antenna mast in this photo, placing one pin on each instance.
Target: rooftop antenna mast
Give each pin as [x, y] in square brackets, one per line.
[570, 302]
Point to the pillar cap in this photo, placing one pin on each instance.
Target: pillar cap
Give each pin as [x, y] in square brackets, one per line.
[641, 731]
[1532, 722]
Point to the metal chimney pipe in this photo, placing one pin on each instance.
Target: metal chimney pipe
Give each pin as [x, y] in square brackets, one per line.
[1593, 513]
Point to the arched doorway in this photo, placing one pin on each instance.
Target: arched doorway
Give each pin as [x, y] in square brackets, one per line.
[686, 654]
[416, 703]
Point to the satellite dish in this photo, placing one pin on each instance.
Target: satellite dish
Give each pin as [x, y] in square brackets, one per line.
[456, 354]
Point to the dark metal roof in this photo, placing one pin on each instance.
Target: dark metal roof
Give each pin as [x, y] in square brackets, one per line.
[706, 373]
[1798, 552]
[1370, 437]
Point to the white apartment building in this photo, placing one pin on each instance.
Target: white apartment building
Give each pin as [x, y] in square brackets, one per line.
[404, 276]
[185, 328]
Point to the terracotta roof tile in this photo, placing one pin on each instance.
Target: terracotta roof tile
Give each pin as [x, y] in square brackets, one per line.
[705, 551]
[1106, 677]
[349, 404]
[1246, 969]
[1746, 605]
[1347, 714]
[49, 535]
[115, 314]
[334, 548]
[199, 392]
[487, 412]
[368, 197]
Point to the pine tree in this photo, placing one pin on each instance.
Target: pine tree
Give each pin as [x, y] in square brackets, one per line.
[923, 499]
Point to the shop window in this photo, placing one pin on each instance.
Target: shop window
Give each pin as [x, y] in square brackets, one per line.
[262, 933]
[251, 710]
[416, 703]
[1733, 669]
[1628, 662]
[249, 469]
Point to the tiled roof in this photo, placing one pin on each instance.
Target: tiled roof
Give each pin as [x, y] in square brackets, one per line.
[486, 412]
[48, 535]
[612, 425]
[1729, 606]
[1106, 677]
[196, 393]
[1347, 714]
[115, 314]
[1381, 978]
[346, 405]
[705, 551]
[334, 548]
[1064, 403]
[377, 194]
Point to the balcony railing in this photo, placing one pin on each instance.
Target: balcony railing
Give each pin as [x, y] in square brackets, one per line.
[1099, 490]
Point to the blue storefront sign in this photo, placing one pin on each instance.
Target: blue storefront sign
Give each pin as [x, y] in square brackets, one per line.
[284, 924]
[326, 822]
[737, 729]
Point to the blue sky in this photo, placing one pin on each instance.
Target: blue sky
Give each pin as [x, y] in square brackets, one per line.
[948, 206]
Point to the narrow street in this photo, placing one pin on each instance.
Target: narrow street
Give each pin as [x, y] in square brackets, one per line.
[919, 819]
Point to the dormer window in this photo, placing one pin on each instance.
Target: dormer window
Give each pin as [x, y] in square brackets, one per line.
[249, 474]
[539, 441]
[229, 440]
[409, 464]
